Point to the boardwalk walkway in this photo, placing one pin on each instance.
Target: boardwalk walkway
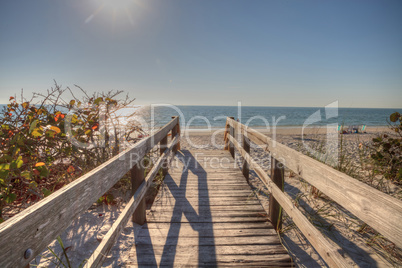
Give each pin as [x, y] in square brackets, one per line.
[207, 215]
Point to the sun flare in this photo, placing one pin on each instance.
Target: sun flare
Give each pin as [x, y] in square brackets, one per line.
[117, 4]
[118, 8]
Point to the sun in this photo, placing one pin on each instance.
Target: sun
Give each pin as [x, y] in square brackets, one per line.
[118, 4]
[115, 7]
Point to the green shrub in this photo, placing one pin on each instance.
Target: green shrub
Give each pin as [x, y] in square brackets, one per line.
[36, 155]
[388, 150]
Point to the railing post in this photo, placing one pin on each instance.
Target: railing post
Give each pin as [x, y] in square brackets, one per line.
[277, 176]
[137, 177]
[246, 147]
[162, 148]
[232, 133]
[175, 130]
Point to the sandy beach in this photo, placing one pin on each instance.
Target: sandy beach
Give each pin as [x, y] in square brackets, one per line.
[342, 228]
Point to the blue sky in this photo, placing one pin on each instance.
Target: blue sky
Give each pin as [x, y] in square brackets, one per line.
[265, 53]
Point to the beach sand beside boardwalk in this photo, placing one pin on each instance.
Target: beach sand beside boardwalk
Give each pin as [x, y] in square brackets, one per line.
[82, 237]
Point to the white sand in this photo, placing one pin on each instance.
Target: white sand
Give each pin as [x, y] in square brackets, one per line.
[81, 237]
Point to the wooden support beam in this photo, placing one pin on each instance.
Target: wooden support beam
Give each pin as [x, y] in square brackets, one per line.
[162, 148]
[275, 210]
[137, 178]
[231, 133]
[225, 137]
[175, 130]
[246, 147]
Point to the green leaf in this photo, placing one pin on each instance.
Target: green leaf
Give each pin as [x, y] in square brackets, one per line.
[98, 100]
[33, 126]
[26, 175]
[72, 102]
[10, 198]
[36, 133]
[44, 172]
[46, 192]
[4, 166]
[6, 127]
[50, 133]
[109, 198]
[74, 119]
[394, 117]
[3, 174]
[19, 163]
[25, 105]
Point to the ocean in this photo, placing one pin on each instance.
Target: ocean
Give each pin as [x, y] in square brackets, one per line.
[215, 116]
[258, 117]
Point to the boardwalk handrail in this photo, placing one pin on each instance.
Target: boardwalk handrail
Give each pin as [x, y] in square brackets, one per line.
[377, 209]
[27, 234]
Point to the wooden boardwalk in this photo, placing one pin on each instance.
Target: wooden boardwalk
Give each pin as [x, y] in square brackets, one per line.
[205, 214]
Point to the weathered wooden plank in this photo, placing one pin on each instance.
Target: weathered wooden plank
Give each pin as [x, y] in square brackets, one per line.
[195, 184]
[212, 202]
[208, 241]
[37, 226]
[328, 251]
[377, 209]
[211, 213]
[189, 258]
[215, 193]
[196, 219]
[224, 264]
[181, 232]
[251, 250]
[184, 207]
[202, 227]
[111, 236]
[213, 173]
[198, 180]
[169, 195]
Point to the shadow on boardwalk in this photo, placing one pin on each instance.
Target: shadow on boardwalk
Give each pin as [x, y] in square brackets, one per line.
[207, 215]
[183, 208]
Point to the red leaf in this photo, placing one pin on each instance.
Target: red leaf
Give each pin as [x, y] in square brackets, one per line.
[70, 169]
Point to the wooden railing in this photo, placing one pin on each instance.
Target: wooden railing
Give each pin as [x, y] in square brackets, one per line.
[379, 210]
[27, 234]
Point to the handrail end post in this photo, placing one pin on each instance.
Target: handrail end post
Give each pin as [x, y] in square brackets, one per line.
[137, 177]
[175, 131]
[275, 210]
